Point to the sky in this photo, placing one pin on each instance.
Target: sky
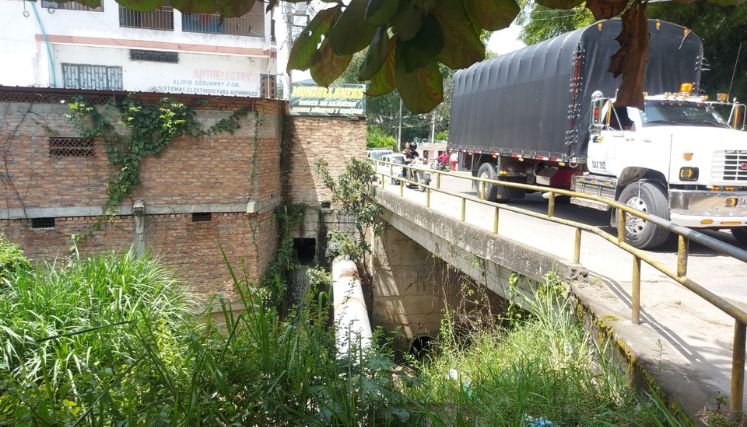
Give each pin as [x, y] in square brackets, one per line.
[506, 40]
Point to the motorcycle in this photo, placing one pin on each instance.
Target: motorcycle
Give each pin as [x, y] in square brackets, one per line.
[418, 175]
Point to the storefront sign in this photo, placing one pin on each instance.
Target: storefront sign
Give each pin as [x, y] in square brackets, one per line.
[342, 100]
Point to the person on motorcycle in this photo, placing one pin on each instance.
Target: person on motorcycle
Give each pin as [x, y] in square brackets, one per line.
[410, 156]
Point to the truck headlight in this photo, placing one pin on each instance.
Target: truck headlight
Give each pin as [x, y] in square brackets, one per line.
[688, 174]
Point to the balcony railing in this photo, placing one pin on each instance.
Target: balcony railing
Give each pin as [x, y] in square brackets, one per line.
[251, 24]
[159, 19]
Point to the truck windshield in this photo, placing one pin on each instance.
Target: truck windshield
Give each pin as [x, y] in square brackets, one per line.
[680, 113]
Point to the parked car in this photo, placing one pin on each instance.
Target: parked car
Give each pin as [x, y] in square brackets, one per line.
[398, 159]
[378, 153]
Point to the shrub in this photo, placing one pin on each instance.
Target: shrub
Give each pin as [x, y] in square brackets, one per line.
[375, 138]
[442, 135]
[12, 259]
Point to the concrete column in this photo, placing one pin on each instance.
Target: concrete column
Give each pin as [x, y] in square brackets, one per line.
[138, 212]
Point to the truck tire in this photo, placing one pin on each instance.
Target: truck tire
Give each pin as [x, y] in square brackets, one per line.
[650, 198]
[740, 235]
[493, 193]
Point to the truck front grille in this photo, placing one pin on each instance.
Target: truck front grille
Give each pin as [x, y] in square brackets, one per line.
[730, 165]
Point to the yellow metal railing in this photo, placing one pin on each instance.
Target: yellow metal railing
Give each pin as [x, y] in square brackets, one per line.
[678, 274]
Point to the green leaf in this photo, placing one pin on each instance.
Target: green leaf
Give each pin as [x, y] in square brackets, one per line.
[462, 45]
[304, 49]
[408, 21]
[421, 90]
[423, 48]
[376, 55]
[383, 81]
[380, 12]
[492, 15]
[328, 66]
[351, 32]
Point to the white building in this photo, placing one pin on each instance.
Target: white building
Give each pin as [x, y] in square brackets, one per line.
[66, 45]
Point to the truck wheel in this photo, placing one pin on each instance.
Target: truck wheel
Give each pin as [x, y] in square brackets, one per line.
[493, 193]
[740, 234]
[649, 198]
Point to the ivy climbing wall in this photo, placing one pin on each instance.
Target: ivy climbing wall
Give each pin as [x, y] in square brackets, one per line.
[216, 188]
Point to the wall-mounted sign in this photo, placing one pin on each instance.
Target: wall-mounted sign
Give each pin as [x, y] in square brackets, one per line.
[308, 99]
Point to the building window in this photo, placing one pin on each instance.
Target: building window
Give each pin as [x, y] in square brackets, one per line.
[42, 222]
[159, 19]
[62, 146]
[84, 76]
[268, 86]
[154, 56]
[202, 217]
[250, 24]
[69, 5]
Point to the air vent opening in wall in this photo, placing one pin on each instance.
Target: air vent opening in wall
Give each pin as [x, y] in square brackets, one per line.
[202, 217]
[63, 146]
[42, 223]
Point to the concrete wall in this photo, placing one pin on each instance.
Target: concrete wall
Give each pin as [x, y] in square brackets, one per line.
[218, 64]
[235, 177]
[411, 289]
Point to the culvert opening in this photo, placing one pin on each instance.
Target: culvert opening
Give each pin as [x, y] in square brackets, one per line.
[421, 346]
[305, 250]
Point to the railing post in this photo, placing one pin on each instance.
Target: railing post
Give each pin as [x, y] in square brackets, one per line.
[682, 250]
[482, 190]
[551, 205]
[428, 197]
[402, 188]
[620, 225]
[496, 219]
[438, 180]
[635, 296]
[382, 180]
[737, 371]
[577, 247]
[463, 209]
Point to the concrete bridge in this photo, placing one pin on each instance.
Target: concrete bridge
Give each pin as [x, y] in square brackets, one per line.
[680, 343]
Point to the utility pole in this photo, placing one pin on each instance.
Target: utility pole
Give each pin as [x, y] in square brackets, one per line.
[399, 129]
[433, 127]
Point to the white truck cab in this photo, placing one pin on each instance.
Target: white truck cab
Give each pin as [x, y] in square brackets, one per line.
[677, 159]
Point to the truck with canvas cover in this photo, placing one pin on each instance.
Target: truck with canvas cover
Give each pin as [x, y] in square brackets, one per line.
[546, 115]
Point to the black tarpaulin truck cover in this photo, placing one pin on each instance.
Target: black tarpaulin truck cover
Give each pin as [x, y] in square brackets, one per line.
[536, 101]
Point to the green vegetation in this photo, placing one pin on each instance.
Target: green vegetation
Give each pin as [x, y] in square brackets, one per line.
[376, 139]
[12, 260]
[541, 368]
[114, 341]
[149, 129]
[351, 196]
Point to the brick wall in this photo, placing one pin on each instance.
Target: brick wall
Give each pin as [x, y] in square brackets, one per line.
[309, 139]
[218, 174]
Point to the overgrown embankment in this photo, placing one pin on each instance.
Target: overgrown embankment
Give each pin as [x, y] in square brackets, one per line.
[113, 340]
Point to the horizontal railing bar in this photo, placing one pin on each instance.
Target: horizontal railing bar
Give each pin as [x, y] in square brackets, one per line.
[698, 237]
[720, 303]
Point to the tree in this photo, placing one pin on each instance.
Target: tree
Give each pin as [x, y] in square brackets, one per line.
[541, 23]
[408, 39]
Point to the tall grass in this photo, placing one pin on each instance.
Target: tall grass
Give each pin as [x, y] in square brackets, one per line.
[113, 340]
[542, 369]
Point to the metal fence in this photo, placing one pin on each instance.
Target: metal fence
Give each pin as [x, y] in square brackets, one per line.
[159, 19]
[678, 273]
[250, 24]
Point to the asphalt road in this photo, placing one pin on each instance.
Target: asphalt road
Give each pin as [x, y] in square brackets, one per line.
[695, 333]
